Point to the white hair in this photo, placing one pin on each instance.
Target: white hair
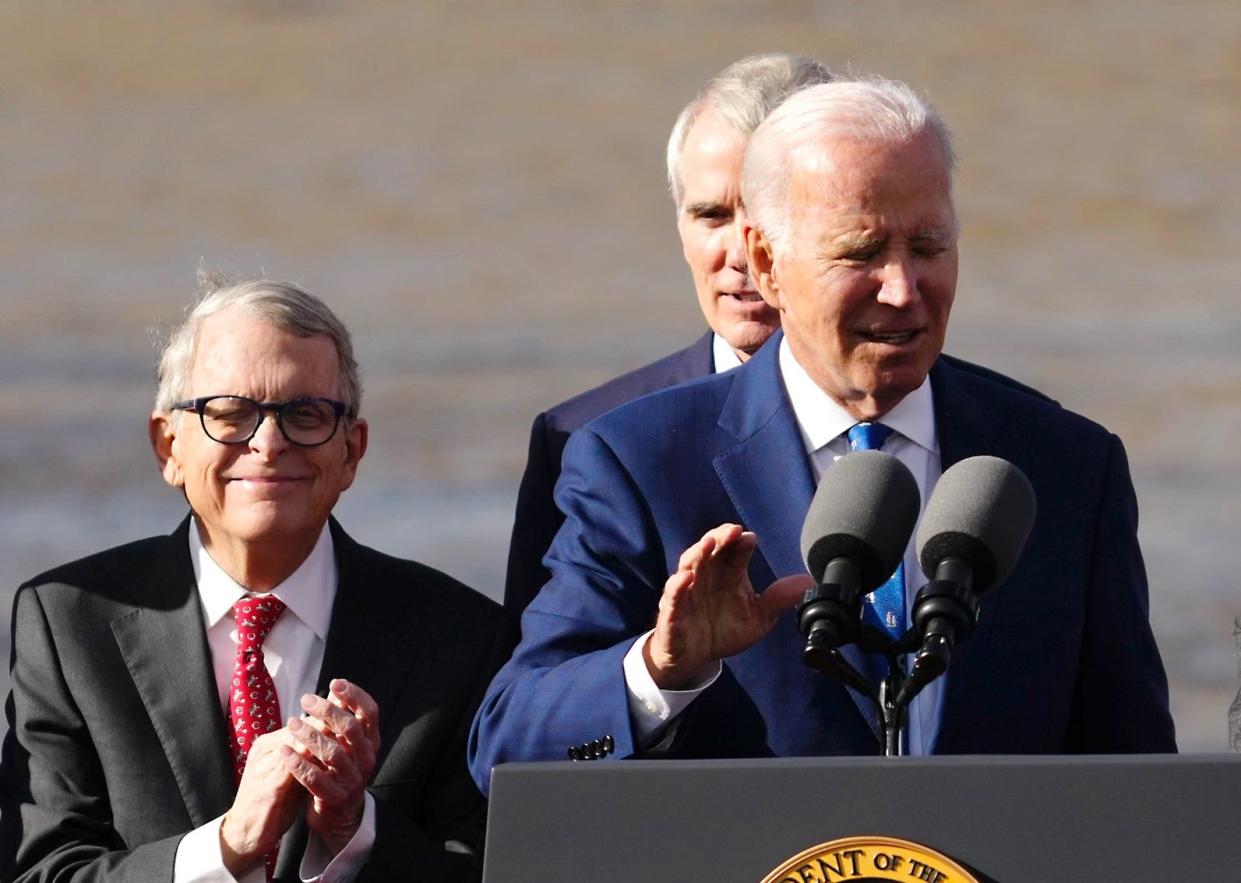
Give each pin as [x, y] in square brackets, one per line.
[870, 109]
[283, 304]
[742, 94]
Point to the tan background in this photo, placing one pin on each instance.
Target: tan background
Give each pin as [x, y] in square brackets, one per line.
[477, 188]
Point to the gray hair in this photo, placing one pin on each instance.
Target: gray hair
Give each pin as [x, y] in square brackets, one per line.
[869, 109]
[742, 94]
[283, 304]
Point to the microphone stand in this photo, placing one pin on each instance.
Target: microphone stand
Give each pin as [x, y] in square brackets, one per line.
[831, 619]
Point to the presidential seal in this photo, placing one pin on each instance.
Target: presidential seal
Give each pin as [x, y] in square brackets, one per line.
[869, 860]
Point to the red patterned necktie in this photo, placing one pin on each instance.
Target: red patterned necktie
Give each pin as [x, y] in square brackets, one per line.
[253, 707]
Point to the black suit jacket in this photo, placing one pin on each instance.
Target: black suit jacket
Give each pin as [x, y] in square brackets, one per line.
[537, 518]
[116, 745]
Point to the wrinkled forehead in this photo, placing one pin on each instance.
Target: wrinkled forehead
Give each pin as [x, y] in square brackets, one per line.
[240, 348]
[906, 180]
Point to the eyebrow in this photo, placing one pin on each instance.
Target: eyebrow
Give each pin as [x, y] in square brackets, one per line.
[935, 234]
[856, 242]
[697, 209]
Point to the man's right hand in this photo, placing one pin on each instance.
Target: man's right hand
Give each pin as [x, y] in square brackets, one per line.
[709, 611]
[268, 800]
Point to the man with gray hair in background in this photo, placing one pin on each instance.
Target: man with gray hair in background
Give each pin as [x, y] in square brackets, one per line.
[704, 158]
[255, 696]
[684, 509]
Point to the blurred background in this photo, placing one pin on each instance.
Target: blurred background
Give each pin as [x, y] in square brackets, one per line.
[477, 188]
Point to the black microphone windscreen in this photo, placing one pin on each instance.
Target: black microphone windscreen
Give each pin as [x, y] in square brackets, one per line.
[981, 511]
[864, 510]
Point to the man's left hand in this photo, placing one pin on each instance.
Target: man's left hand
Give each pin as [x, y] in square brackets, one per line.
[337, 742]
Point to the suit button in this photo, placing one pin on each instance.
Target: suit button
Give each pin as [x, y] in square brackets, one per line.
[609, 744]
[573, 753]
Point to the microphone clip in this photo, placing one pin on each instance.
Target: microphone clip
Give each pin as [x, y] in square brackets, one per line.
[828, 616]
[945, 612]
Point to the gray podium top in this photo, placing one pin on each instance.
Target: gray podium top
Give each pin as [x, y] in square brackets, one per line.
[1011, 819]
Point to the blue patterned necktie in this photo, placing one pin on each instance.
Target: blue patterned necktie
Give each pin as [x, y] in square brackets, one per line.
[884, 607]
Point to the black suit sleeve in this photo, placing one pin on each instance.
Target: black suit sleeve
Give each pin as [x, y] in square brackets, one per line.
[54, 798]
[537, 518]
[1120, 702]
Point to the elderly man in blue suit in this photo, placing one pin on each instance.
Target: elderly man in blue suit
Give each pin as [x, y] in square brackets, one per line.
[705, 151]
[684, 508]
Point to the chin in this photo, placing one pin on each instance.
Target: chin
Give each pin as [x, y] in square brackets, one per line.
[749, 336]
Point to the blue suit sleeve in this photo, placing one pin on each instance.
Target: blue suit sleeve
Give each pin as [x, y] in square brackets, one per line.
[564, 685]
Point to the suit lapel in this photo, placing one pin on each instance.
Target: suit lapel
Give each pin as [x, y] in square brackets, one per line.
[965, 429]
[766, 474]
[370, 642]
[164, 644]
[768, 477]
[699, 359]
[960, 419]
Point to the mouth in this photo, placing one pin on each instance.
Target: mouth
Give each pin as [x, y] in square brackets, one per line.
[265, 480]
[890, 338]
[746, 297]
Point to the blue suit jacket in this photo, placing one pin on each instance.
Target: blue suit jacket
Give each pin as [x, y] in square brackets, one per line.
[1063, 659]
[537, 519]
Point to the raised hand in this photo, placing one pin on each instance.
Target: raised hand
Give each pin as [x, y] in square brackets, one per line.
[268, 800]
[709, 611]
[335, 748]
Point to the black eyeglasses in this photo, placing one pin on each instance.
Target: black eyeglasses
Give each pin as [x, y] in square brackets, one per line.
[233, 420]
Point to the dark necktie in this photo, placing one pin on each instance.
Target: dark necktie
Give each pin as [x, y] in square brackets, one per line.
[254, 708]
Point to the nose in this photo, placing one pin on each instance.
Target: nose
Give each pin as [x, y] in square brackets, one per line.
[899, 283]
[268, 439]
[735, 245]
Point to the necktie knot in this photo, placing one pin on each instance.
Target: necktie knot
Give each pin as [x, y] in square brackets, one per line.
[868, 436]
[256, 616]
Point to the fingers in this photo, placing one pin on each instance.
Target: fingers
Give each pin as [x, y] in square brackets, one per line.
[786, 593]
[348, 712]
[336, 747]
[725, 541]
[265, 805]
[358, 702]
[340, 734]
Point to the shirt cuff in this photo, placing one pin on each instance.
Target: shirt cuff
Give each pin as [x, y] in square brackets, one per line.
[199, 860]
[650, 707]
[318, 867]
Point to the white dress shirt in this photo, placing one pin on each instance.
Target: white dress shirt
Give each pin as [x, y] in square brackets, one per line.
[823, 425]
[723, 356]
[293, 653]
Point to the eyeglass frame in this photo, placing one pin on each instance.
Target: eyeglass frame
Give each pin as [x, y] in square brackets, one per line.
[198, 405]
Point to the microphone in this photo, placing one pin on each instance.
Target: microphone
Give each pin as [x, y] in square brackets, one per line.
[972, 533]
[854, 535]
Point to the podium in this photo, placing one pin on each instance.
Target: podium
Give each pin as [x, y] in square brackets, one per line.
[1069, 819]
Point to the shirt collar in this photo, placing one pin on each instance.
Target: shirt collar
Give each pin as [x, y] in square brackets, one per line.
[308, 592]
[723, 356]
[821, 419]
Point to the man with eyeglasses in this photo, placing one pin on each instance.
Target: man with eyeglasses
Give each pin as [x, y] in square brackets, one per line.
[255, 696]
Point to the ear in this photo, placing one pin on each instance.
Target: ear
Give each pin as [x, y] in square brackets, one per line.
[357, 435]
[162, 431]
[762, 264]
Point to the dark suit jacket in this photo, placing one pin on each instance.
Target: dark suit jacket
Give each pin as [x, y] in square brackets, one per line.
[1063, 659]
[117, 742]
[537, 519]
